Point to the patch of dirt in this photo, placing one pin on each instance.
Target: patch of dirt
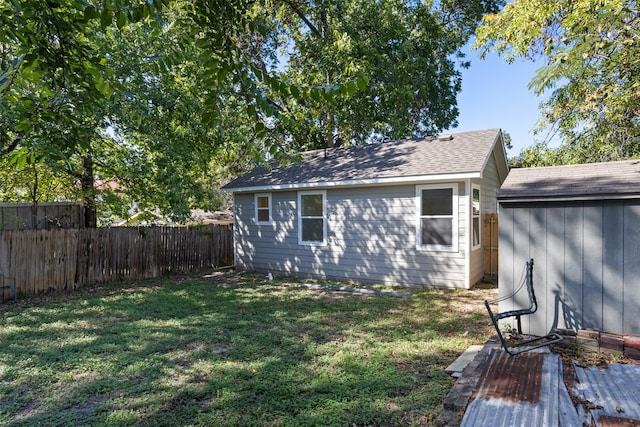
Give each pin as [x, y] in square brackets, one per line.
[28, 412]
[89, 407]
[219, 348]
[485, 284]
[586, 358]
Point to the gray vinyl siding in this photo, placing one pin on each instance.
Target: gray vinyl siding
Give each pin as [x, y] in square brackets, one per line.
[586, 271]
[371, 234]
[489, 186]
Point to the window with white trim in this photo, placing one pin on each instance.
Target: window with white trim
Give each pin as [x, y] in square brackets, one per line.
[263, 208]
[437, 227]
[312, 221]
[475, 216]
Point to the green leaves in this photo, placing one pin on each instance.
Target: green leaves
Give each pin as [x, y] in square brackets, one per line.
[19, 157]
[383, 70]
[121, 19]
[260, 130]
[106, 17]
[159, 93]
[592, 52]
[91, 12]
[58, 82]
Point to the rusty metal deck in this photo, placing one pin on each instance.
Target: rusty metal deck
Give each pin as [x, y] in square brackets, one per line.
[529, 389]
[611, 395]
[517, 391]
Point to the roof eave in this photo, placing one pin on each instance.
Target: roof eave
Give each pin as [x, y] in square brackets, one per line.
[356, 182]
[568, 198]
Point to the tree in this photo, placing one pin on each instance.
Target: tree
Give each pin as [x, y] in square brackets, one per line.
[55, 84]
[34, 182]
[96, 102]
[408, 51]
[52, 74]
[578, 152]
[172, 154]
[83, 91]
[592, 50]
[153, 95]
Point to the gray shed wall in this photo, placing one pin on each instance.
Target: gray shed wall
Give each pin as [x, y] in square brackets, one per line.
[586, 270]
[371, 238]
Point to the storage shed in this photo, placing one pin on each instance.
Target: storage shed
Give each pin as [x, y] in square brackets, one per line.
[404, 212]
[581, 225]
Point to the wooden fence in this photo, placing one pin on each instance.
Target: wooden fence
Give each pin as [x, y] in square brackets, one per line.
[56, 260]
[49, 216]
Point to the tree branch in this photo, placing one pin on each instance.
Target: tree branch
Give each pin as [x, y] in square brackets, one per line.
[302, 16]
[12, 145]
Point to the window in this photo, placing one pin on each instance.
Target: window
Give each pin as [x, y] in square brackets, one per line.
[475, 216]
[263, 208]
[437, 217]
[312, 224]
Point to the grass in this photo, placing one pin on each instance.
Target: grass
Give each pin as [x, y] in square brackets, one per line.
[232, 350]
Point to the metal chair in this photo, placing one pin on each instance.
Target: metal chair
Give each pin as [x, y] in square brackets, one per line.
[526, 345]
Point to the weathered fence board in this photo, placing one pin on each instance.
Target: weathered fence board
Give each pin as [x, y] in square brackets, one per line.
[54, 215]
[57, 260]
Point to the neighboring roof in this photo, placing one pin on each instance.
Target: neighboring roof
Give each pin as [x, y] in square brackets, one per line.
[200, 216]
[575, 182]
[108, 184]
[460, 155]
[197, 217]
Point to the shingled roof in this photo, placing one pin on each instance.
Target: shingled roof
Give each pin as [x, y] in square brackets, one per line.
[579, 182]
[463, 154]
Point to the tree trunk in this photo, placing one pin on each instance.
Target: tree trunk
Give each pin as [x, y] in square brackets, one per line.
[34, 198]
[88, 192]
[328, 137]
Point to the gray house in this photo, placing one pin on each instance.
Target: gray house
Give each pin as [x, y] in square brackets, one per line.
[581, 225]
[404, 212]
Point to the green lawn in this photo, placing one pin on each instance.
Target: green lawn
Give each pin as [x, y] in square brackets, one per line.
[232, 350]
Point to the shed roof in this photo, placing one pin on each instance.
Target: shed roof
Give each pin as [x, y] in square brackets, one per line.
[577, 182]
[463, 154]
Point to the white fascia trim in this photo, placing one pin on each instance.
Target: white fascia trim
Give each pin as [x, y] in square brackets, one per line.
[324, 218]
[467, 238]
[236, 235]
[257, 208]
[472, 248]
[455, 247]
[359, 182]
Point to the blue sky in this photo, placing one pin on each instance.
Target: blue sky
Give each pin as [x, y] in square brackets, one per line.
[495, 94]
